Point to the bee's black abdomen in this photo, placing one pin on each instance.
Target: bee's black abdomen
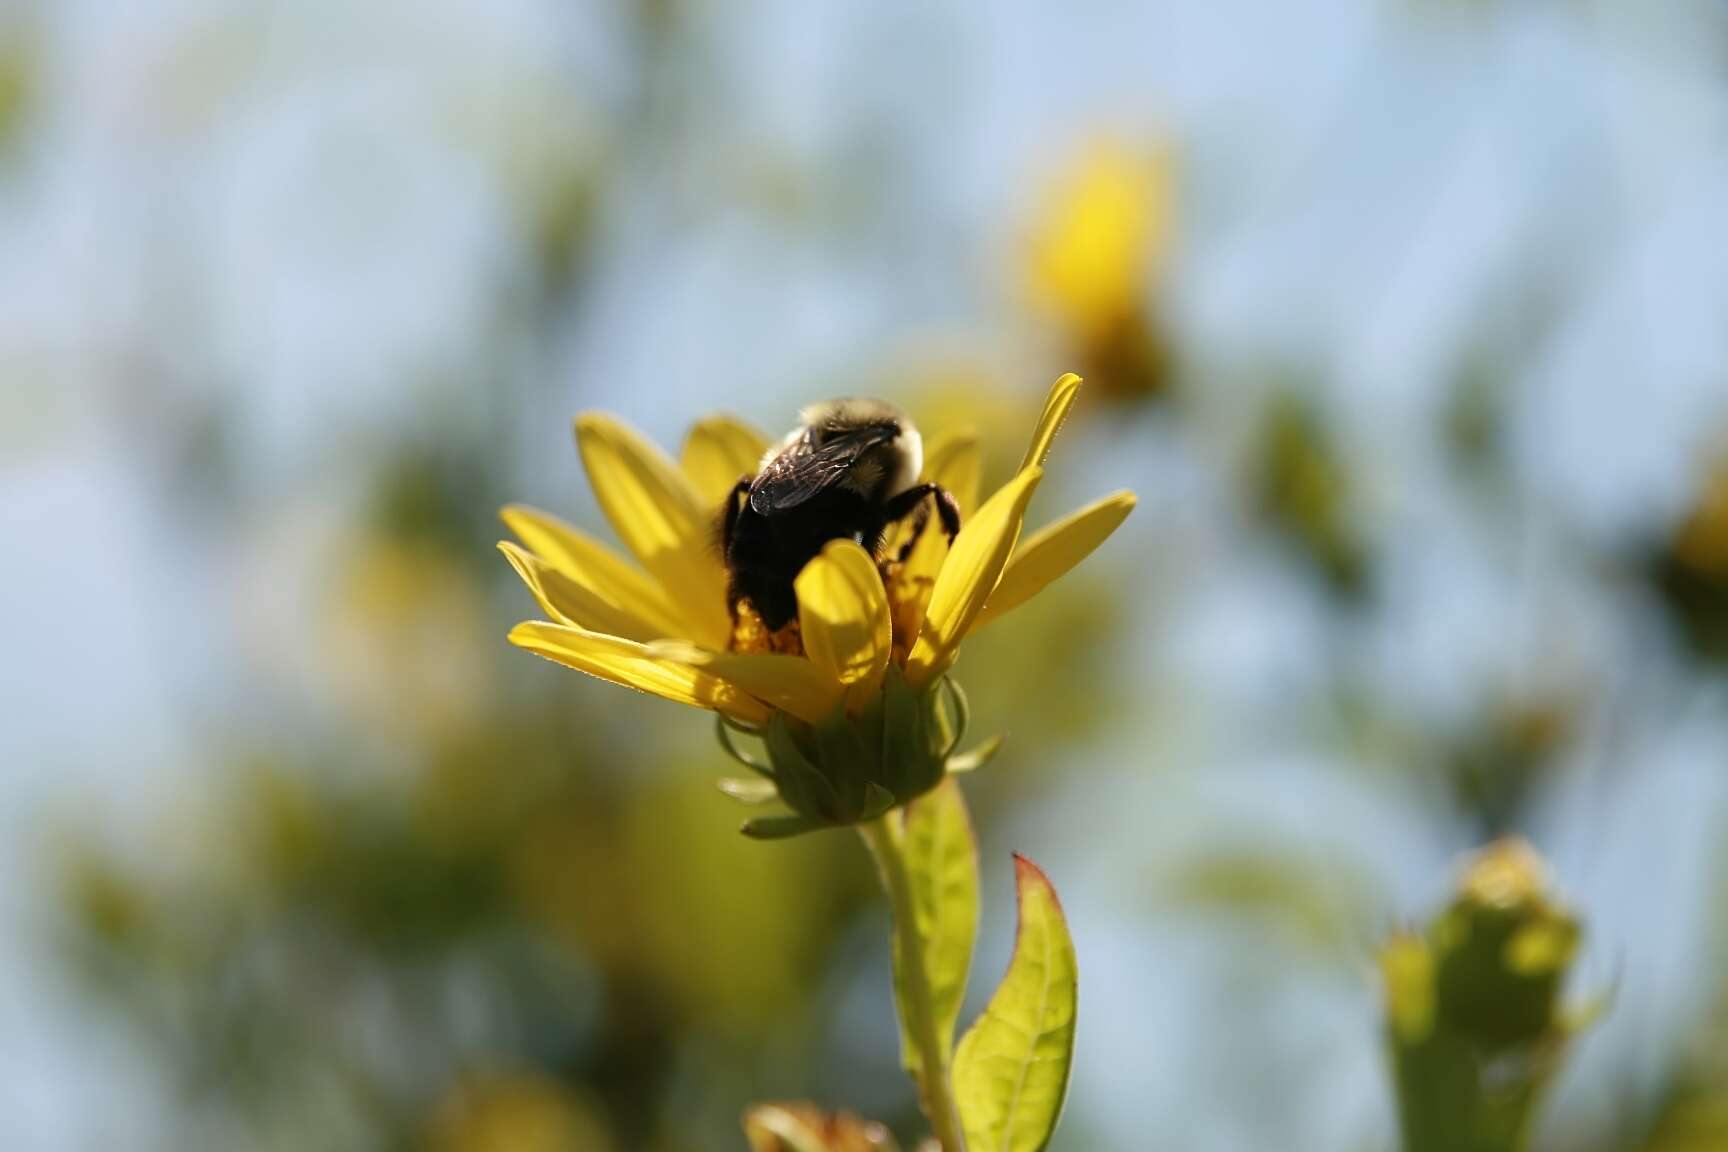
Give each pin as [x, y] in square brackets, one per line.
[766, 553]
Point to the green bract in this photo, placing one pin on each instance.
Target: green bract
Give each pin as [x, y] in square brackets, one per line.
[849, 769]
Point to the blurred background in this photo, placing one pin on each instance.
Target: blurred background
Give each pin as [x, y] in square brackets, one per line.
[1407, 319]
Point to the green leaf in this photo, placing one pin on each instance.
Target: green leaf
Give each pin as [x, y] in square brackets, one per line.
[1011, 1073]
[942, 873]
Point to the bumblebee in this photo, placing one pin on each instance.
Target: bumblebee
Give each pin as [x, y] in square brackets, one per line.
[848, 471]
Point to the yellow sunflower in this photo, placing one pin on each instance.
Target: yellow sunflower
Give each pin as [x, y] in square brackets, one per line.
[1101, 243]
[852, 717]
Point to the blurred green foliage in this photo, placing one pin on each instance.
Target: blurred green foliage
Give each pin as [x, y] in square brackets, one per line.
[1303, 488]
[19, 49]
[1690, 569]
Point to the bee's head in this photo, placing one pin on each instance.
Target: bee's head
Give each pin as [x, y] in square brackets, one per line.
[892, 463]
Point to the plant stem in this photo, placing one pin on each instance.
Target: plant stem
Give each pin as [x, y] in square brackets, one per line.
[1449, 1102]
[886, 839]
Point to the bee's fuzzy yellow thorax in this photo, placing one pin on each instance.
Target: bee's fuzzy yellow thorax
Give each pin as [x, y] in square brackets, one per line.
[851, 412]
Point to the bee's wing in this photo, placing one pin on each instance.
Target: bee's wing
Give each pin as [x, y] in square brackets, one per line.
[802, 471]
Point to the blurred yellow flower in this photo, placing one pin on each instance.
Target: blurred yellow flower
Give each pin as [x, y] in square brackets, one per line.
[404, 636]
[662, 626]
[1100, 238]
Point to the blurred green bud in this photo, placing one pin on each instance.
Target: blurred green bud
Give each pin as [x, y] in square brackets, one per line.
[1502, 950]
[851, 768]
[1473, 1006]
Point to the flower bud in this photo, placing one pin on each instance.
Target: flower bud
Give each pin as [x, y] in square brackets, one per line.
[1503, 948]
[1473, 1006]
[853, 768]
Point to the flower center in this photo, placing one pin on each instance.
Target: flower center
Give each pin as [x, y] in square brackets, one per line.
[907, 567]
[751, 634]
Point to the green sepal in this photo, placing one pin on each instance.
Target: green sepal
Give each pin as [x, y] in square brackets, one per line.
[747, 790]
[848, 768]
[915, 733]
[847, 765]
[975, 757]
[723, 730]
[951, 728]
[801, 785]
[780, 827]
[904, 744]
[878, 801]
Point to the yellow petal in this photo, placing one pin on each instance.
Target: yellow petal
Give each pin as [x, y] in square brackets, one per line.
[789, 683]
[968, 576]
[718, 453]
[661, 519]
[1056, 405]
[1052, 551]
[568, 602]
[955, 461]
[843, 617]
[635, 666]
[587, 562]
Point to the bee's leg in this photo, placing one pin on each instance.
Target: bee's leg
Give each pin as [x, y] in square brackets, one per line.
[920, 517]
[947, 510]
[912, 501]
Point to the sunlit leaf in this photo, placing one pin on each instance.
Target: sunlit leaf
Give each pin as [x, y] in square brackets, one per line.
[1011, 1072]
[942, 870]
